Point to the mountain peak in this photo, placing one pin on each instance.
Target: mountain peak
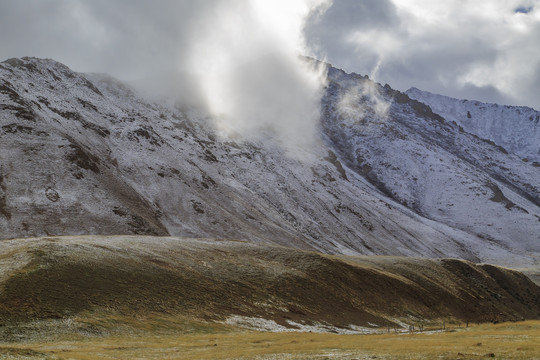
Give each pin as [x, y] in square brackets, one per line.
[43, 77]
[33, 64]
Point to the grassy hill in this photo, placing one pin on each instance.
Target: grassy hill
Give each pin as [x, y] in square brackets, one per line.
[101, 285]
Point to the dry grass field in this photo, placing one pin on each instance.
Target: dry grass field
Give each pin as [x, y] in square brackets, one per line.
[520, 340]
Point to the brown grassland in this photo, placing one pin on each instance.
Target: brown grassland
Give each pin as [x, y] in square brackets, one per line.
[92, 297]
[520, 340]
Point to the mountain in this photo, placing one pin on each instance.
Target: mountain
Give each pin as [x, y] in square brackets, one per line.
[84, 154]
[515, 128]
[432, 165]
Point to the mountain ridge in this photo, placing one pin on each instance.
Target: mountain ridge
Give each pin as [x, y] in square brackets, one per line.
[84, 154]
[487, 120]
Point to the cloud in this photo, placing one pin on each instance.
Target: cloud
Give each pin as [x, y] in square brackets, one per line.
[216, 49]
[247, 60]
[331, 34]
[364, 101]
[486, 93]
[239, 57]
[523, 9]
[122, 37]
[480, 50]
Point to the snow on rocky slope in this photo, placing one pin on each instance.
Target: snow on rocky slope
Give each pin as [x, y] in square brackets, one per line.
[515, 128]
[430, 164]
[84, 154]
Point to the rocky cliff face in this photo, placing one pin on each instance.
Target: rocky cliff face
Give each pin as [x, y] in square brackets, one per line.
[83, 154]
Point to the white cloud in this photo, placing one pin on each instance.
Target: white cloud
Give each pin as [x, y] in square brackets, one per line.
[495, 25]
[246, 60]
[475, 49]
[241, 57]
[481, 49]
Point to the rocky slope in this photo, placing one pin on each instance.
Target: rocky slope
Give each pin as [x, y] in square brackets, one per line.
[94, 285]
[83, 154]
[432, 165]
[515, 128]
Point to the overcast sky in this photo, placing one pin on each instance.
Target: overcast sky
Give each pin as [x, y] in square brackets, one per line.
[487, 50]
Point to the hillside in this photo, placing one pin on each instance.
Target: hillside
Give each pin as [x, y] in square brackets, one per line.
[97, 285]
[431, 165]
[83, 154]
[515, 128]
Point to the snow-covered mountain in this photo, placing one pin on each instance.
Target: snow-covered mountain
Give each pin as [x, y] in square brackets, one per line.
[515, 128]
[433, 166]
[84, 154]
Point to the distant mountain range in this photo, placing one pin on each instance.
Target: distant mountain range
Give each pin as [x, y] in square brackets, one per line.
[394, 173]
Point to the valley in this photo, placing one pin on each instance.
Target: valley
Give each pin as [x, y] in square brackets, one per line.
[92, 297]
[133, 227]
[84, 154]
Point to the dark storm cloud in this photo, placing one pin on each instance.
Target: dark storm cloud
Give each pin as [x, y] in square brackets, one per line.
[36, 28]
[435, 64]
[524, 10]
[487, 93]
